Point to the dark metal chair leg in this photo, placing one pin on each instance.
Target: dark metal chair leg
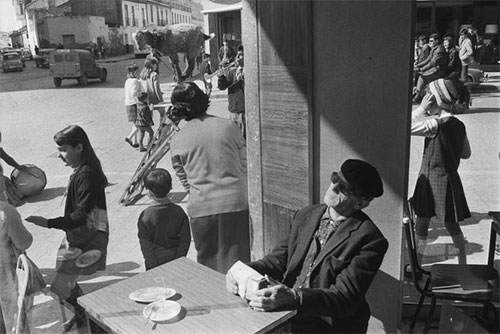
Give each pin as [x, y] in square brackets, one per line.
[429, 317]
[417, 312]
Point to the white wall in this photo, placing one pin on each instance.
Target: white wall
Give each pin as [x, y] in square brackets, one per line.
[85, 28]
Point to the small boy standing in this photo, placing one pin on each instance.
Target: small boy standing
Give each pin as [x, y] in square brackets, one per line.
[144, 121]
[164, 232]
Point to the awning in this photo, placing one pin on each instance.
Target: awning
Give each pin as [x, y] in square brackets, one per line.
[221, 9]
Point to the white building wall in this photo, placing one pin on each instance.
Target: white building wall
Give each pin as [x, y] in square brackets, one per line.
[86, 29]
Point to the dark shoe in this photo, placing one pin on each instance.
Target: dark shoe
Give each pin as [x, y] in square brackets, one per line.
[143, 149]
[409, 274]
[129, 142]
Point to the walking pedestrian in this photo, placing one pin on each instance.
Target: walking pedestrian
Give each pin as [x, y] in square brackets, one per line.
[151, 84]
[85, 219]
[209, 157]
[439, 192]
[132, 91]
[466, 53]
[144, 121]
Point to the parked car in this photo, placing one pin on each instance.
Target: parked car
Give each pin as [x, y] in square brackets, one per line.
[75, 64]
[11, 61]
[42, 58]
[18, 51]
[27, 53]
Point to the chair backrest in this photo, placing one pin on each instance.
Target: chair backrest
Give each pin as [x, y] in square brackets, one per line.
[22, 273]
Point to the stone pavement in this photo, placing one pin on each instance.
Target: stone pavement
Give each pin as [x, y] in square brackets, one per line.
[479, 175]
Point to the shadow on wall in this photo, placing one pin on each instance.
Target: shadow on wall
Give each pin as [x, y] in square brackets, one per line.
[385, 282]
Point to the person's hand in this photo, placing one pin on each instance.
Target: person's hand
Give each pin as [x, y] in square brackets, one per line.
[37, 220]
[231, 284]
[239, 73]
[427, 101]
[271, 298]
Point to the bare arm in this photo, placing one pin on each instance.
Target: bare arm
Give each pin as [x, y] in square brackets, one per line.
[9, 160]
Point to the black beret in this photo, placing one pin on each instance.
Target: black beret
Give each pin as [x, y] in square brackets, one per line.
[363, 178]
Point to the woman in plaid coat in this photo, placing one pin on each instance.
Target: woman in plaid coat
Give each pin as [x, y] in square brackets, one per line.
[439, 191]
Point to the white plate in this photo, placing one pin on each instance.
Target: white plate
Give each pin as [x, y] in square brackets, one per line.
[161, 310]
[148, 295]
[88, 258]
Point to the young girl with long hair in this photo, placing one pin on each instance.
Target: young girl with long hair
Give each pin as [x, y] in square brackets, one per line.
[85, 215]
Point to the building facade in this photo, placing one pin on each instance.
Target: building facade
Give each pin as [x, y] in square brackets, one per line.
[122, 19]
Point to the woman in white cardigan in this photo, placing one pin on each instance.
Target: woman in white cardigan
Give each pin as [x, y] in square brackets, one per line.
[209, 157]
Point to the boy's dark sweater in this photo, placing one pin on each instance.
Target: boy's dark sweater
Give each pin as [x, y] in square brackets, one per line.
[164, 234]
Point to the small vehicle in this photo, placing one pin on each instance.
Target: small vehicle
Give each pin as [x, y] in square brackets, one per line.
[475, 75]
[18, 51]
[27, 53]
[75, 64]
[42, 58]
[11, 61]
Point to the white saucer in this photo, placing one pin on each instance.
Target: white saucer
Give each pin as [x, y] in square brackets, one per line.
[150, 294]
[162, 310]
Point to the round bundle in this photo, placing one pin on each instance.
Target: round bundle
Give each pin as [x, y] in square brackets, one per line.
[30, 181]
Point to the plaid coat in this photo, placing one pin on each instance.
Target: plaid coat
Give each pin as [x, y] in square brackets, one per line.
[439, 191]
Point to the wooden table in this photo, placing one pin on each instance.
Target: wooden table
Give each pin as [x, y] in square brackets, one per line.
[206, 306]
[495, 230]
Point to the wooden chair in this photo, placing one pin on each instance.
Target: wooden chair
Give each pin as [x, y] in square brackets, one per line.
[476, 284]
[22, 273]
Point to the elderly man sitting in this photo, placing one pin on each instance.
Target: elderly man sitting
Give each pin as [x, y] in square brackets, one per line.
[325, 265]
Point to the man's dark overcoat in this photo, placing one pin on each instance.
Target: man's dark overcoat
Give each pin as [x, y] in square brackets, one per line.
[341, 274]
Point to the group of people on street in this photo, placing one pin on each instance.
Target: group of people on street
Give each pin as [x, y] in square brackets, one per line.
[441, 58]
